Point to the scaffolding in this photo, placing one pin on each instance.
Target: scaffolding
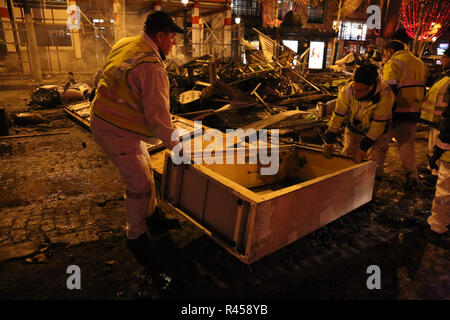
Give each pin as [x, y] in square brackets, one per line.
[211, 43]
[59, 48]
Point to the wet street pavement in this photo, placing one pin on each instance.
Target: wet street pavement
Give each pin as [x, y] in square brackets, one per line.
[61, 204]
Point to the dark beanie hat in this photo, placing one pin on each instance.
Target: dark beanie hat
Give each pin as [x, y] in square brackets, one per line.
[160, 21]
[367, 74]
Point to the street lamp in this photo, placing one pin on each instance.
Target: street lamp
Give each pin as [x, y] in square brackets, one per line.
[184, 2]
[237, 20]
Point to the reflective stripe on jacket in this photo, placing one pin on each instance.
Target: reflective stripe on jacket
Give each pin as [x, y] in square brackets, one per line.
[436, 101]
[445, 156]
[118, 104]
[445, 146]
[407, 75]
[369, 118]
[443, 139]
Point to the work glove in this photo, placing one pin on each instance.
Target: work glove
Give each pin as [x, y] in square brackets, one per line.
[329, 137]
[360, 154]
[328, 149]
[437, 153]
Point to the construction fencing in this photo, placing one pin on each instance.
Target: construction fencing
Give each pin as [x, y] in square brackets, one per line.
[56, 44]
[211, 42]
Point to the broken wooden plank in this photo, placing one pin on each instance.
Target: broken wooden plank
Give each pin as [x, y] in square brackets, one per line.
[248, 75]
[254, 93]
[272, 120]
[309, 82]
[305, 98]
[34, 135]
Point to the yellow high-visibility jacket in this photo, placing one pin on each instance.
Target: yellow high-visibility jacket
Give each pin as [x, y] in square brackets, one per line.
[117, 99]
[436, 101]
[443, 139]
[446, 155]
[406, 74]
[369, 118]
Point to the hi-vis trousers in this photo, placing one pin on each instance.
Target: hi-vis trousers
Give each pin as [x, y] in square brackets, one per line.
[440, 211]
[131, 157]
[405, 134]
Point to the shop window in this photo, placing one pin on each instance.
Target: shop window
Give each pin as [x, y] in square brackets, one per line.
[284, 6]
[316, 11]
[49, 4]
[55, 4]
[352, 30]
[246, 8]
[49, 35]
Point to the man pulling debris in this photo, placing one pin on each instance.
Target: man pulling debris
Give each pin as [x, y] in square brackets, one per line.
[372, 55]
[436, 101]
[366, 105]
[436, 110]
[440, 160]
[131, 105]
[406, 75]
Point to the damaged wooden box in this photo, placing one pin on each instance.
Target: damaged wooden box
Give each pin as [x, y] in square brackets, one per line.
[252, 215]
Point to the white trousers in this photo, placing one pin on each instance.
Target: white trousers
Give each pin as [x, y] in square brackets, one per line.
[432, 137]
[405, 134]
[440, 211]
[129, 153]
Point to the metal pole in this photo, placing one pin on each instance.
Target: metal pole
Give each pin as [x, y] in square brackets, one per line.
[14, 32]
[58, 59]
[32, 42]
[380, 39]
[212, 73]
[196, 30]
[119, 19]
[185, 34]
[333, 53]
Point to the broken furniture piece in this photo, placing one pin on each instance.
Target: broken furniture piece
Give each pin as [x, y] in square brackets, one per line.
[252, 215]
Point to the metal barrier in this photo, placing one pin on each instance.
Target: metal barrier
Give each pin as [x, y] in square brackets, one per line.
[212, 43]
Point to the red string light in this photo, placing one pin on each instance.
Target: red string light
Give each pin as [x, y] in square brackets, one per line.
[435, 18]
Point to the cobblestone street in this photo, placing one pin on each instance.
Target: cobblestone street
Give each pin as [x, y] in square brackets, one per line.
[56, 189]
[61, 203]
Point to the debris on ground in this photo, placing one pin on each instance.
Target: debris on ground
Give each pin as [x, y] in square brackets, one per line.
[52, 96]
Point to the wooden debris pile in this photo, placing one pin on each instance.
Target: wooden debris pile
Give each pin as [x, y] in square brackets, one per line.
[260, 94]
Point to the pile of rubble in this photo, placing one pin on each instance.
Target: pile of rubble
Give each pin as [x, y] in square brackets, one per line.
[270, 91]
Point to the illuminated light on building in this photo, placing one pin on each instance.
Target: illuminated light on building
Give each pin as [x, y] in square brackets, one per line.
[352, 30]
[435, 18]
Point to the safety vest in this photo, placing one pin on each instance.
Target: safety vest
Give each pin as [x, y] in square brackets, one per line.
[114, 100]
[369, 118]
[444, 125]
[436, 101]
[446, 155]
[407, 75]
